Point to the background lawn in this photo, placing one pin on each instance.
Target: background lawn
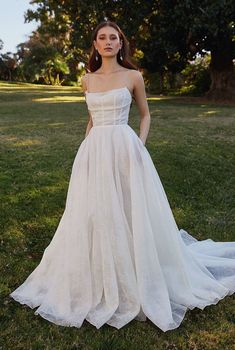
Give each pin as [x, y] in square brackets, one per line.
[192, 146]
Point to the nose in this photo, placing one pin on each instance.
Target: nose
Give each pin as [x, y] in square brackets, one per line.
[108, 42]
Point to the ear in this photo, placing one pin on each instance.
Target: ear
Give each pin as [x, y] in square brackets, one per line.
[94, 43]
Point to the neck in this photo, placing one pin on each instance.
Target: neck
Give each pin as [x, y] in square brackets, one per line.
[109, 65]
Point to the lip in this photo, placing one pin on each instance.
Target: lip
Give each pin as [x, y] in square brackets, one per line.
[108, 49]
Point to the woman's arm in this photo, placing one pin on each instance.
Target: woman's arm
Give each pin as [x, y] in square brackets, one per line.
[84, 88]
[142, 104]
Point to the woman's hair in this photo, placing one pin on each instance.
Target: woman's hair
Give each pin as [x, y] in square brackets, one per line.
[94, 64]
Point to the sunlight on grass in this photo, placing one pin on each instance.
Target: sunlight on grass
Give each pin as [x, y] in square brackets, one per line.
[63, 92]
[7, 85]
[208, 114]
[11, 139]
[29, 142]
[54, 188]
[23, 195]
[23, 86]
[159, 98]
[179, 213]
[59, 99]
[56, 124]
[17, 142]
[163, 142]
[34, 193]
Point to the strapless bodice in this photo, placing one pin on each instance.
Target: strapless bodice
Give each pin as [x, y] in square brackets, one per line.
[109, 107]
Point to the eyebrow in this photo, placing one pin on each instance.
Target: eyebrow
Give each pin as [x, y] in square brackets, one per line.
[108, 34]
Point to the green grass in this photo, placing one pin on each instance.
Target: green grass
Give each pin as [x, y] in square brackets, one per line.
[192, 146]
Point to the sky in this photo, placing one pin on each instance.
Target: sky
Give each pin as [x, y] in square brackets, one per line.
[13, 30]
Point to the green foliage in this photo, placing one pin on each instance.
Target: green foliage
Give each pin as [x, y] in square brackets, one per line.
[41, 60]
[196, 77]
[198, 27]
[153, 82]
[164, 35]
[8, 66]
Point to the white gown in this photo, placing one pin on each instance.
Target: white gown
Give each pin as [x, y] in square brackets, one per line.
[117, 254]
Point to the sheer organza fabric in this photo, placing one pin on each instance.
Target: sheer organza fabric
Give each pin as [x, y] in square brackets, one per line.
[117, 254]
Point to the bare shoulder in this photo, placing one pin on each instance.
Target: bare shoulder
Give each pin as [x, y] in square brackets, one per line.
[137, 80]
[136, 74]
[84, 78]
[136, 77]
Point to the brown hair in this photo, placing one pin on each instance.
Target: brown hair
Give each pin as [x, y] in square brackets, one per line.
[93, 65]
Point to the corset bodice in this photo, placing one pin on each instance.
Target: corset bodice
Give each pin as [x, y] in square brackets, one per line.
[109, 107]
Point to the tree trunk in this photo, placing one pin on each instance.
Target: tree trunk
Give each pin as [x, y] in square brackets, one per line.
[222, 74]
[161, 76]
[9, 74]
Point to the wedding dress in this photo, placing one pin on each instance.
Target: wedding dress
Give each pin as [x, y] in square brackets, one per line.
[117, 254]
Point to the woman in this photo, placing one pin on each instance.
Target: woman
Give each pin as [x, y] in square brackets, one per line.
[117, 254]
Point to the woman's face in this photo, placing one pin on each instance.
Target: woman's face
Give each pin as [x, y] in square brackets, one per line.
[107, 41]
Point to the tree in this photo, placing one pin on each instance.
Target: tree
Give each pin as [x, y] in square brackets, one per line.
[169, 33]
[75, 20]
[8, 66]
[199, 27]
[40, 59]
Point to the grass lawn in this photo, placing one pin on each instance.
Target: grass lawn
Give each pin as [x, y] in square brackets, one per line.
[192, 145]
